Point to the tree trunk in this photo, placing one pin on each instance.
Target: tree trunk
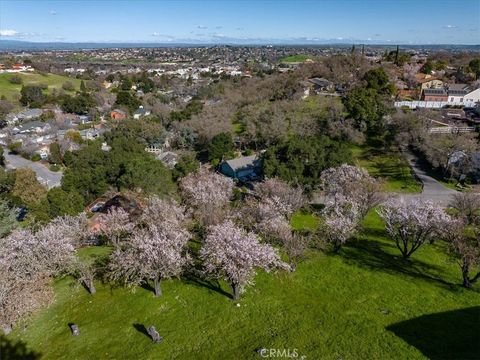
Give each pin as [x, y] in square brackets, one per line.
[236, 291]
[465, 271]
[156, 286]
[90, 286]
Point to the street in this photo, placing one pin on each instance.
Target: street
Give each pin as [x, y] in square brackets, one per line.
[46, 177]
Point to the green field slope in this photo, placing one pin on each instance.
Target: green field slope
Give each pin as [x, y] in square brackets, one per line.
[364, 303]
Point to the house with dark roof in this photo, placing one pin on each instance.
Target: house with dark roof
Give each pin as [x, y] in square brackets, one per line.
[434, 95]
[141, 111]
[242, 168]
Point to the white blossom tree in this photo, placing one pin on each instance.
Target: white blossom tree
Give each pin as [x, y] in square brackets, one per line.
[116, 225]
[29, 259]
[233, 253]
[287, 198]
[208, 194]
[155, 252]
[412, 223]
[341, 221]
[352, 184]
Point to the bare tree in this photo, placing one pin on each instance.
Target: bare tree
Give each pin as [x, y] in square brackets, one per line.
[467, 204]
[465, 248]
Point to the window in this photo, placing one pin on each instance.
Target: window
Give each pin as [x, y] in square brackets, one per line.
[451, 99]
[461, 100]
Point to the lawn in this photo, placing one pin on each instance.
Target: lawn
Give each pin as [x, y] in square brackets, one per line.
[304, 221]
[364, 303]
[388, 165]
[12, 91]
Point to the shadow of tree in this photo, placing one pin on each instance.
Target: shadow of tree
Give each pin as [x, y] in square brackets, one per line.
[13, 350]
[446, 335]
[374, 255]
[213, 285]
[141, 329]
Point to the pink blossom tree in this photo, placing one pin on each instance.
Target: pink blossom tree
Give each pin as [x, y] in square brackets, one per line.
[352, 184]
[412, 223]
[208, 194]
[155, 252]
[233, 253]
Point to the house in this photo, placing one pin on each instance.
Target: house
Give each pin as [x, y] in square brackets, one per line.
[168, 158]
[118, 114]
[243, 168]
[427, 81]
[141, 111]
[457, 92]
[434, 95]
[31, 127]
[321, 84]
[473, 96]
[89, 134]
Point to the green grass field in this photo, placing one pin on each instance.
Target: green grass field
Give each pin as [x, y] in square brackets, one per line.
[364, 303]
[388, 165]
[296, 58]
[12, 91]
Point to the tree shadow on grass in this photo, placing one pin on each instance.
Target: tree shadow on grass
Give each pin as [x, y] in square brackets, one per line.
[446, 335]
[213, 285]
[372, 254]
[141, 329]
[13, 350]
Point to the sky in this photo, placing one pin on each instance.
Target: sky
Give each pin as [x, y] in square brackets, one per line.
[247, 21]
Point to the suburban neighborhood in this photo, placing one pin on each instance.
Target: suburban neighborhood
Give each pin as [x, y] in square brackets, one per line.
[239, 180]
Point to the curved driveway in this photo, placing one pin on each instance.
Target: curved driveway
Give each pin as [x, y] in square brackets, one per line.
[433, 190]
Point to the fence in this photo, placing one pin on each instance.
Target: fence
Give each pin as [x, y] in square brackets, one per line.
[451, 129]
[433, 104]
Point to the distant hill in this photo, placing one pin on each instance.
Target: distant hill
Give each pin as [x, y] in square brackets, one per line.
[17, 45]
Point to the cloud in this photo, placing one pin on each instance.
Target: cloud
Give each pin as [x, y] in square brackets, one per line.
[218, 27]
[156, 34]
[239, 28]
[52, 12]
[8, 32]
[202, 27]
[450, 26]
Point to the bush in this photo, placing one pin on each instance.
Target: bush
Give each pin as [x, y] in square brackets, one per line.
[36, 157]
[55, 168]
[68, 86]
[15, 79]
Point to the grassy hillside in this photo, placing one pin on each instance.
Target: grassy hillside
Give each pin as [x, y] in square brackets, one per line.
[365, 303]
[12, 91]
[390, 166]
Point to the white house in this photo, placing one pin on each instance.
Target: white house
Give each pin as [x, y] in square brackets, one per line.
[473, 96]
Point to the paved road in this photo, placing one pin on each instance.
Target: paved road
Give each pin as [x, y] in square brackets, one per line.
[432, 189]
[46, 177]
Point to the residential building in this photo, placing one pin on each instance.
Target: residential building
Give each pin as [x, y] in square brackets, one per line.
[118, 114]
[243, 168]
[434, 95]
[141, 111]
